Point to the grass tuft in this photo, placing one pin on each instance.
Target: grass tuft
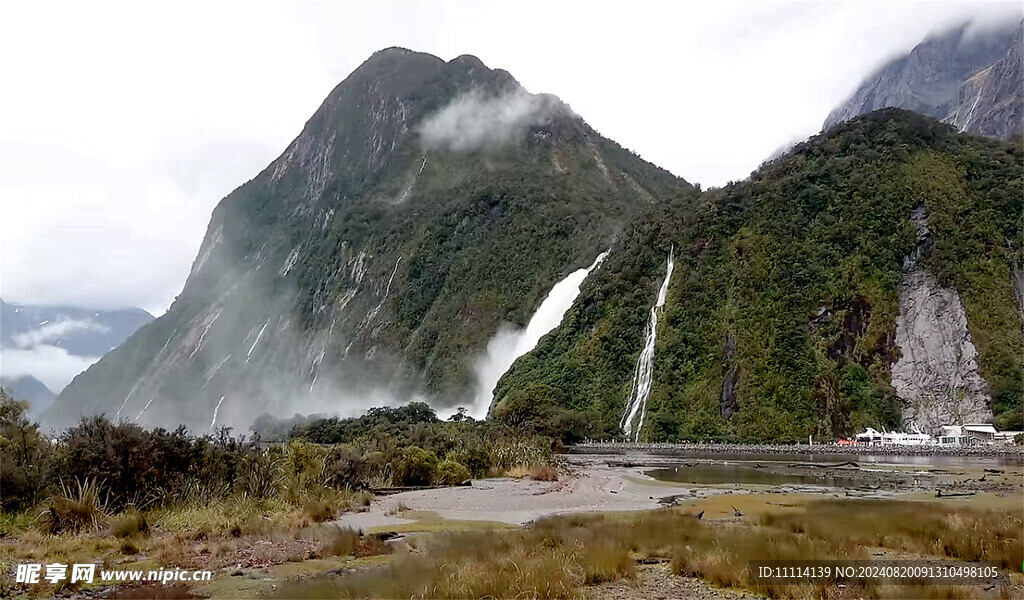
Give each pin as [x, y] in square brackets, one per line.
[128, 525]
[319, 511]
[343, 542]
[544, 473]
[75, 509]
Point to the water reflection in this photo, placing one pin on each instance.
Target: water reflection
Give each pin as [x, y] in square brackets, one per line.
[718, 473]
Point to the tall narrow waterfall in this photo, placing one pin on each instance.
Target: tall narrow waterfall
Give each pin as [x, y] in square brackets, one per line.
[636, 408]
[509, 344]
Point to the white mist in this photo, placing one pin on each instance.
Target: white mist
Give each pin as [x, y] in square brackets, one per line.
[509, 344]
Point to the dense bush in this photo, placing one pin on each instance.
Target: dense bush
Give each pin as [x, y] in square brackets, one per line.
[99, 468]
[380, 421]
[450, 472]
[372, 445]
[140, 467]
[416, 467]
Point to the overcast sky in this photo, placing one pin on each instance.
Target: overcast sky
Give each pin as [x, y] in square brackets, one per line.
[122, 125]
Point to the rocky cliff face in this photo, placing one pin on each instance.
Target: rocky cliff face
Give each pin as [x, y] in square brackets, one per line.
[970, 79]
[425, 205]
[991, 101]
[937, 376]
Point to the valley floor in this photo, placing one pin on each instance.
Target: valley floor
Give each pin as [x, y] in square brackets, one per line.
[611, 483]
[318, 560]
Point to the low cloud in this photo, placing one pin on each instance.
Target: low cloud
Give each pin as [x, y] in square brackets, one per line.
[33, 353]
[49, 364]
[52, 332]
[475, 121]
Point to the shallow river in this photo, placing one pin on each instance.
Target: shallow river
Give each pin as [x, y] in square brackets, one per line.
[931, 460]
[728, 468]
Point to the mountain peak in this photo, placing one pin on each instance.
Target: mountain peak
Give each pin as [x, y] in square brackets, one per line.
[371, 261]
[468, 60]
[967, 75]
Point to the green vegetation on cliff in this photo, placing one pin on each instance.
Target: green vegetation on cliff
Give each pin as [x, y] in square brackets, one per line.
[780, 319]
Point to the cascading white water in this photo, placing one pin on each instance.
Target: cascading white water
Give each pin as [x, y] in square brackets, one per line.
[509, 344]
[644, 370]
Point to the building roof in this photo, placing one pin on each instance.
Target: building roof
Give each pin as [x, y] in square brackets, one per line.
[980, 428]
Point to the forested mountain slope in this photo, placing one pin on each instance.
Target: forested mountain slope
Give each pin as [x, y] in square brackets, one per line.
[884, 244]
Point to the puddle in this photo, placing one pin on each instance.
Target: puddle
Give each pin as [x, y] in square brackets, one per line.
[721, 473]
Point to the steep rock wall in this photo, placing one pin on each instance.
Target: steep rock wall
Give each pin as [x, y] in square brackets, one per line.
[937, 376]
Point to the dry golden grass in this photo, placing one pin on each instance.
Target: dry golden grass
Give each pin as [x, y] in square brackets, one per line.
[128, 525]
[556, 557]
[544, 473]
[541, 473]
[186, 535]
[913, 527]
[519, 471]
[341, 542]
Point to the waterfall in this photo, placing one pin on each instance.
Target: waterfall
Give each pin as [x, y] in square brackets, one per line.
[508, 345]
[644, 370]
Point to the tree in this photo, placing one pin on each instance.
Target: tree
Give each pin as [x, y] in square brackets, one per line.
[24, 456]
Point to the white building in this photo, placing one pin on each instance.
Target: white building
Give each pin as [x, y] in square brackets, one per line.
[1006, 437]
[966, 435]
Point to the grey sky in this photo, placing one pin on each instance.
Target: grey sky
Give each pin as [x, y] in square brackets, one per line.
[122, 125]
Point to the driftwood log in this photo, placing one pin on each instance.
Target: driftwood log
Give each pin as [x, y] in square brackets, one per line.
[398, 489]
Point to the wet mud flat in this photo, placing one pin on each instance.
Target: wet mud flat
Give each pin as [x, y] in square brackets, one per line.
[819, 474]
[640, 481]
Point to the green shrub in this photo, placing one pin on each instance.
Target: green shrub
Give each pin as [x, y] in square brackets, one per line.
[416, 467]
[303, 469]
[450, 472]
[260, 476]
